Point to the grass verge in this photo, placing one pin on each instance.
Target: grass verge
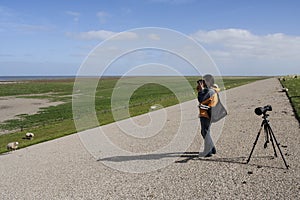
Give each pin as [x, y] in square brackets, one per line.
[293, 86]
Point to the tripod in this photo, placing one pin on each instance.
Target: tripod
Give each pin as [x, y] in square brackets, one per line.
[269, 137]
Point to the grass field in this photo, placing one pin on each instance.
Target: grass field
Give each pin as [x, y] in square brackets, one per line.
[293, 85]
[57, 121]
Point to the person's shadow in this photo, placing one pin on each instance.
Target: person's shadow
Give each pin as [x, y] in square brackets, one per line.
[185, 157]
[157, 156]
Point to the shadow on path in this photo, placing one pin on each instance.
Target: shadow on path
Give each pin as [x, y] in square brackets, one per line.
[193, 156]
[141, 157]
[189, 156]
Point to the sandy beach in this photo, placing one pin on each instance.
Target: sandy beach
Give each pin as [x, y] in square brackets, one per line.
[65, 169]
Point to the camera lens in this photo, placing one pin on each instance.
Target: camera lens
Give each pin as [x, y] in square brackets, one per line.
[263, 110]
[258, 110]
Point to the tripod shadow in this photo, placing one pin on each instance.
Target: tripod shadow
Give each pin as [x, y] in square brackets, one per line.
[193, 156]
[263, 165]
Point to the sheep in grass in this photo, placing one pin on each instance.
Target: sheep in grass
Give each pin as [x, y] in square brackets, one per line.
[12, 146]
[29, 136]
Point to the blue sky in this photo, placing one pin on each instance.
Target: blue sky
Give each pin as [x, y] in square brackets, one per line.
[242, 37]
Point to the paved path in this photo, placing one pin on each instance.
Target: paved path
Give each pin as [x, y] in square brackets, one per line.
[63, 168]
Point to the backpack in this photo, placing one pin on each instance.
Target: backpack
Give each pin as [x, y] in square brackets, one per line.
[217, 112]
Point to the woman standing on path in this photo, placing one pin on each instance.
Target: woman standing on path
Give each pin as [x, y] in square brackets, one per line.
[207, 97]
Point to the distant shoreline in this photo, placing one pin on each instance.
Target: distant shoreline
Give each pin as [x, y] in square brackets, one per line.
[28, 78]
[34, 78]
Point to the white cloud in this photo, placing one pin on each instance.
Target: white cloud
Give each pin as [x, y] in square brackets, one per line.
[75, 15]
[244, 43]
[102, 16]
[238, 47]
[102, 35]
[153, 36]
[223, 35]
[72, 13]
[95, 35]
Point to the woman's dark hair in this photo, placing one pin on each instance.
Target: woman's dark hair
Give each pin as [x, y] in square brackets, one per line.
[200, 81]
[209, 80]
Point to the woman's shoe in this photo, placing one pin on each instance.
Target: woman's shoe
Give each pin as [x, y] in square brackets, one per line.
[203, 154]
[213, 150]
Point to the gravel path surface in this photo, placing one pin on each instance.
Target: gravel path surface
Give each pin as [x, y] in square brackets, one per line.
[63, 168]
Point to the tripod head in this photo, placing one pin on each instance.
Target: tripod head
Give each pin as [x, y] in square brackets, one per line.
[265, 116]
[263, 110]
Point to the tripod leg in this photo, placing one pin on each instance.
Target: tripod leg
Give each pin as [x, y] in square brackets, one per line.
[271, 139]
[271, 132]
[266, 136]
[254, 143]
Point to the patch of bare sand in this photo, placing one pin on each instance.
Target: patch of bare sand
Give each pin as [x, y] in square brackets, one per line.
[10, 107]
[7, 82]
